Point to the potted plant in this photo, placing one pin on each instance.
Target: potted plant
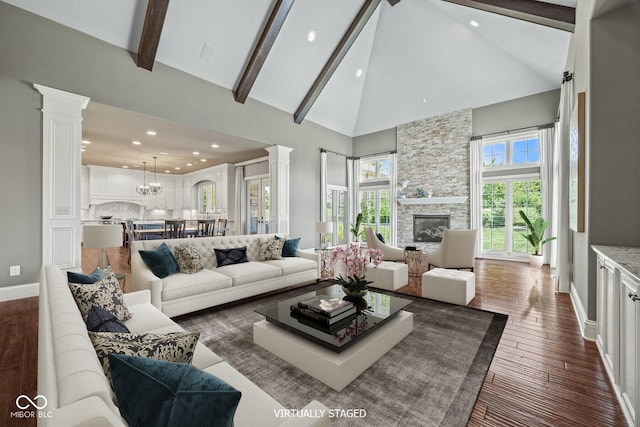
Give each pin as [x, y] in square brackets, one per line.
[356, 229]
[535, 237]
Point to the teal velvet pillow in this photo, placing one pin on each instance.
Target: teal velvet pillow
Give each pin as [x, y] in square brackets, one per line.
[154, 392]
[85, 279]
[161, 261]
[290, 248]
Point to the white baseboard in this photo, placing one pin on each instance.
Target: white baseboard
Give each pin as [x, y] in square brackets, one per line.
[8, 293]
[588, 328]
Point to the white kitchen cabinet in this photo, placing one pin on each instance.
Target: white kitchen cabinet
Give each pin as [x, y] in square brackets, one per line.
[629, 318]
[618, 322]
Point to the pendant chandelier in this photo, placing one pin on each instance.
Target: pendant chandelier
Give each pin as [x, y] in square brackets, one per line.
[144, 188]
[155, 187]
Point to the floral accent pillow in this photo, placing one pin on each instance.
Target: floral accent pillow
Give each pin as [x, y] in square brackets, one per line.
[188, 258]
[270, 249]
[105, 293]
[171, 347]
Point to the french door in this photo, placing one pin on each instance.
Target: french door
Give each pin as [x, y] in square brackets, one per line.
[258, 205]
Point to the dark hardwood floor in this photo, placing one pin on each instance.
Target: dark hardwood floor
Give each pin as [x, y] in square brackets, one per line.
[543, 372]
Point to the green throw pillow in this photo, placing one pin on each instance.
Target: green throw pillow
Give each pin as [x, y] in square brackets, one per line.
[161, 261]
[158, 393]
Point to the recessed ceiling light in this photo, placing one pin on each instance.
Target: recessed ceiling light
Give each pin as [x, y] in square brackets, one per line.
[177, 168]
[203, 160]
[136, 166]
[195, 153]
[359, 72]
[189, 164]
[167, 171]
[311, 36]
[215, 146]
[82, 149]
[151, 132]
[474, 23]
[84, 141]
[164, 153]
[136, 142]
[125, 167]
[424, 100]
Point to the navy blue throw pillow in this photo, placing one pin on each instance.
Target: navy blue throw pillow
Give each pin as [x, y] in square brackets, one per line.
[85, 279]
[231, 256]
[153, 392]
[161, 261]
[101, 320]
[290, 248]
[379, 236]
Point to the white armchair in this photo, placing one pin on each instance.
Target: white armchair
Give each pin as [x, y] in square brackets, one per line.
[389, 253]
[456, 251]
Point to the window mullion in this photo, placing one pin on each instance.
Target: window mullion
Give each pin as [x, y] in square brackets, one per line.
[508, 220]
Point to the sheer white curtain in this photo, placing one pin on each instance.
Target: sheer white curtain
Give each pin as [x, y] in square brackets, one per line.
[547, 145]
[241, 206]
[475, 152]
[563, 260]
[323, 186]
[353, 171]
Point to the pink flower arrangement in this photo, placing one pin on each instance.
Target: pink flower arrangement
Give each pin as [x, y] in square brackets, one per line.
[357, 260]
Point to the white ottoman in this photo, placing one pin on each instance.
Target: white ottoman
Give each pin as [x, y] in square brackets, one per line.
[452, 286]
[388, 275]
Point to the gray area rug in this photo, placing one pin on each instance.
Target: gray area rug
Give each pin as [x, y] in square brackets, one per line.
[431, 378]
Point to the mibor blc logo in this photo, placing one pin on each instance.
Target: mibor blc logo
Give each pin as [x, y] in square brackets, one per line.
[31, 407]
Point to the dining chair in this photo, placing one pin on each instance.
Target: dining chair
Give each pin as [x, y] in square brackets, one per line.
[174, 228]
[221, 229]
[206, 227]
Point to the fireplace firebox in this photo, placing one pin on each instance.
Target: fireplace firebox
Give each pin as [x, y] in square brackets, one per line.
[430, 228]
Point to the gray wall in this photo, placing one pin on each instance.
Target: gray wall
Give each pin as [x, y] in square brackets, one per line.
[36, 50]
[529, 111]
[377, 142]
[614, 144]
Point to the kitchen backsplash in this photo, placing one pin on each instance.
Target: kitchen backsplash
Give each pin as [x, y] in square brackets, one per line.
[127, 210]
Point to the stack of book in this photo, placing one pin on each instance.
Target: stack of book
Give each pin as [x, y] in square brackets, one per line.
[324, 312]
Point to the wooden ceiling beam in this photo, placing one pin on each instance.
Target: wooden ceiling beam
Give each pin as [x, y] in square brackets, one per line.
[260, 52]
[151, 31]
[336, 57]
[538, 12]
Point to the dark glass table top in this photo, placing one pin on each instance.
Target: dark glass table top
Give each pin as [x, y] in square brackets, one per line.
[373, 310]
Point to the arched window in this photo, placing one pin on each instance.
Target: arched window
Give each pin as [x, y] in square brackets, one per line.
[206, 197]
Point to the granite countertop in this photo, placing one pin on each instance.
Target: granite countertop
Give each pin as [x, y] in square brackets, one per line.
[628, 258]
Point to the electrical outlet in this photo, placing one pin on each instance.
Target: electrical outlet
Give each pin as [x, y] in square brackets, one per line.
[14, 270]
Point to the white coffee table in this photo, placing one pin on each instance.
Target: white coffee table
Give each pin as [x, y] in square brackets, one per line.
[319, 359]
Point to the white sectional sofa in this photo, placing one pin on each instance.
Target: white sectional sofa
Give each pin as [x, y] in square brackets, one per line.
[182, 293]
[72, 380]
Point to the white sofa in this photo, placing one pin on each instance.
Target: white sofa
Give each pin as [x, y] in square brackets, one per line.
[184, 293]
[71, 378]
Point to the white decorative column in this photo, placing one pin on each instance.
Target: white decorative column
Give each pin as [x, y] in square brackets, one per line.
[61, 173]
[279, 188]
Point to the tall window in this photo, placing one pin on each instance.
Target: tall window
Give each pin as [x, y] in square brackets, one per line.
[337, 213]
[206, 197]
[375, 194]
[510, 183]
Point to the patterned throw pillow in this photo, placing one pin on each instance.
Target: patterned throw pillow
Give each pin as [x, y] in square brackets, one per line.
[172, 347]
[270, 249]
[188, 258]
[105, 293]
[101, 320]
[231, 256]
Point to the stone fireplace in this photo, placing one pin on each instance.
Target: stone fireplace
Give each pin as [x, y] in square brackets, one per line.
[430, 228]
[433, 155]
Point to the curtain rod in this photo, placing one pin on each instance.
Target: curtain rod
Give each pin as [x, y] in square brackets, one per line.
[509, 131]
[356, 158]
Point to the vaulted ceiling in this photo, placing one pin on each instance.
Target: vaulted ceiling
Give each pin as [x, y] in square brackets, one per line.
[416, 59]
